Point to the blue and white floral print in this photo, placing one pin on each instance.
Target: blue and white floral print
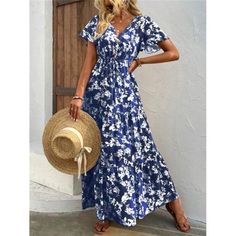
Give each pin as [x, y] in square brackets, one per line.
[130, 178]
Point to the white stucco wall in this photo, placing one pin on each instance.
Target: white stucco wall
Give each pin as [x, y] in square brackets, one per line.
[41, 84]
[40, 68]
[173, 95]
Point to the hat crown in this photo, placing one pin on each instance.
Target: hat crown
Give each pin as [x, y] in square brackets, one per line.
[67, 142]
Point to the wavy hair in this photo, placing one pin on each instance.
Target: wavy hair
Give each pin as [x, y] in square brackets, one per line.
[106, 14]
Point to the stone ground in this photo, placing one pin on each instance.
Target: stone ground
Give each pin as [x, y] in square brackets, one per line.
[81, 223]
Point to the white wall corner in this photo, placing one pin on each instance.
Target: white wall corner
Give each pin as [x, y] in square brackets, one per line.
[41, 93]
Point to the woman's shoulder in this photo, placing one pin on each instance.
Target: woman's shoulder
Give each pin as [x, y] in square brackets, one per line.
[142, 18]
[145, 20]
[93, 18]
[148, 22]
[96, 16]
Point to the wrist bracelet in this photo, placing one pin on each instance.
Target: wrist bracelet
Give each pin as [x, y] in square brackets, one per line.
[137, 59]
[78, 97]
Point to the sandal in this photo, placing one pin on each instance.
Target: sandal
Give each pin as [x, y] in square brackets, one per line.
[104, 226]
[179, 226]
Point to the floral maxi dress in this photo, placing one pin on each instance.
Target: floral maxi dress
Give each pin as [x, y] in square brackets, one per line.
[130, 178]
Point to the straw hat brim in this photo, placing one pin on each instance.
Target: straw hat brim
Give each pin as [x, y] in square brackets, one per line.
[86, 125]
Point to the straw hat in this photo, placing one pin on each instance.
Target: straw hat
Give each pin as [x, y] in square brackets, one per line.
[70, 144]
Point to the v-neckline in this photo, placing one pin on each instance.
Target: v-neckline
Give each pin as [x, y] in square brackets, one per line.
[126, 28]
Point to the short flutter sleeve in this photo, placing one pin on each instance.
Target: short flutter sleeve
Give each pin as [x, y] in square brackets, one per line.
[88, 32]
[152, 34]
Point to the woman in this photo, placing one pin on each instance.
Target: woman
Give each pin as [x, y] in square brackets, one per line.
[130, 178]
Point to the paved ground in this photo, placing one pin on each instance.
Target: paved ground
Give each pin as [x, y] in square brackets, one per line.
[158, 223]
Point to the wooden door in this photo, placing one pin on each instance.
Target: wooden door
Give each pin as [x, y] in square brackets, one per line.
[69, 17]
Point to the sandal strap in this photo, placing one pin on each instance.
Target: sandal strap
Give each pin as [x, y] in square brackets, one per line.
[103, 221]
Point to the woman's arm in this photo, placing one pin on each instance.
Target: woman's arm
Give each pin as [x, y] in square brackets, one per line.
[170, 53]
[89, 62]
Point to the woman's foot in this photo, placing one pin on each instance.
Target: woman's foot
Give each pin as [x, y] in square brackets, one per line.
[101, 226]
[176, 210]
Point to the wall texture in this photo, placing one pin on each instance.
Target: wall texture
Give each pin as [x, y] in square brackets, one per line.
[40, 68]
[41, 81]
[173, 95]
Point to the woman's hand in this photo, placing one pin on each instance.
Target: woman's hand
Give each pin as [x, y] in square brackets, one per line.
[75, 107]
[133, 66]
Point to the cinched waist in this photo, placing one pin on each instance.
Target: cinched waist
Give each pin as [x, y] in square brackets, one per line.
[112, 60]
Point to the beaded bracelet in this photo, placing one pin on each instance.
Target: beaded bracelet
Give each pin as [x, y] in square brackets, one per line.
[78, 97]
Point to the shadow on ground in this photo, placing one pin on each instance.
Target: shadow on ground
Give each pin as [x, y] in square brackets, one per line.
[158, 223]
